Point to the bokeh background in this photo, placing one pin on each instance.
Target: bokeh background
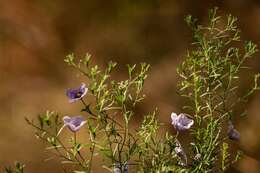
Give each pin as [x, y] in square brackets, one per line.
[35, 35]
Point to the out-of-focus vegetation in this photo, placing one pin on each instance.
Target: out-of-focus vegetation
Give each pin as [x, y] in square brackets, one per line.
[18, 168]
[35, 36]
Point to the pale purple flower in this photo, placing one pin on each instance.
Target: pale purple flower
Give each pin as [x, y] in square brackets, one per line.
[233, 134]
[77, 93]
[181, 122]
[74, 123]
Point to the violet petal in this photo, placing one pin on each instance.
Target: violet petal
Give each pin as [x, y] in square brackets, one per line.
[74, 123]
[181, 122]
[77, 93]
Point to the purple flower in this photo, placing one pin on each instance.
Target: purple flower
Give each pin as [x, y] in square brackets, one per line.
[233, 134]
[74, 123]
[181, 122]
[77, 94]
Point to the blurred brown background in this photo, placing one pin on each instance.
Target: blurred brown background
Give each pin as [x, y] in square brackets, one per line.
[35, 35]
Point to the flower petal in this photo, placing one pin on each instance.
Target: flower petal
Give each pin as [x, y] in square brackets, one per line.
[74, 123]
[232, 133]
[66, 119]
[181, 122]
[77, 93]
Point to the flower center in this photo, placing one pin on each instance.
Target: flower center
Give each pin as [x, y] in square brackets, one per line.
[78, 94]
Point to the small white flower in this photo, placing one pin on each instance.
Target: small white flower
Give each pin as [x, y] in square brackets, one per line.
[117, 170]
[120, 168]
[197, 157]
[180, 152]
[181, 122]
